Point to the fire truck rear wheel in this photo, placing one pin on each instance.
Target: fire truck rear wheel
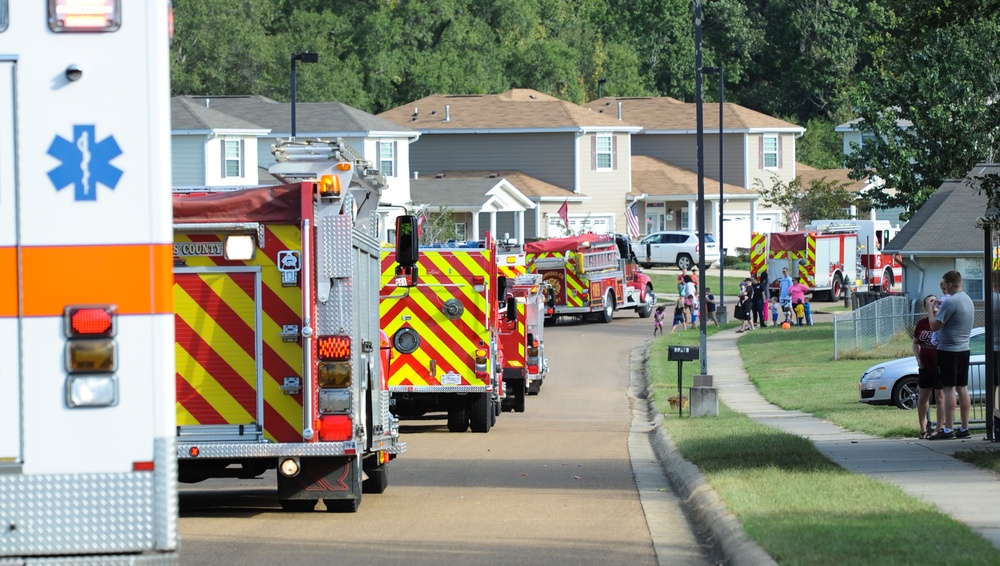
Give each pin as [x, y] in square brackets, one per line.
[481, 412]
[608, 314]
[458, 417]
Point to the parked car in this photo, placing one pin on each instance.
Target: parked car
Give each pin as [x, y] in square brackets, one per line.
[895, 382]
[674, 247]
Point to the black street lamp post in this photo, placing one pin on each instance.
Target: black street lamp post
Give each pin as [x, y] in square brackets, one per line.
[306, 57]
[721, 311]
[700, 120]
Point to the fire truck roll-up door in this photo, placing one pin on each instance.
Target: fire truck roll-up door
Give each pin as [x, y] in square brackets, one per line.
[10, 386]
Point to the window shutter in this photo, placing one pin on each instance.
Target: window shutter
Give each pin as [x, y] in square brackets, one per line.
[779, 151]
[222, 145]
[593, 152]
[614, 152]
[378, 154]
[243, 159]
[760, 152]
[395, 157]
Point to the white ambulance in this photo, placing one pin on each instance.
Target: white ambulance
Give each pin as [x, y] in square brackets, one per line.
[87, 454]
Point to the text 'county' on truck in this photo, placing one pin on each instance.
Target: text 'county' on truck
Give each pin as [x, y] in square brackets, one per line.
[592, 276]
[280, 358]
[443, 329]
[88, 470]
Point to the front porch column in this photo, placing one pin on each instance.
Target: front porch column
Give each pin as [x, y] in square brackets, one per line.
[493, 225]
[692, 224]
[475, 226]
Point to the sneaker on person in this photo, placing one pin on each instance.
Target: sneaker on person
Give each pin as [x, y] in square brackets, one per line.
[962, 433]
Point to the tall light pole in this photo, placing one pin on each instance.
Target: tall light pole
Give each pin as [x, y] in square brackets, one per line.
[306, 57]
[699, 113]
[722, 256]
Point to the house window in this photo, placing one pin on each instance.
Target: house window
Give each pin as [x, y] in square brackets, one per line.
[460, 231]
[769, 152]
[972, 276]
[232, 158]
[867, 138]
[603, 155]
[387, 158]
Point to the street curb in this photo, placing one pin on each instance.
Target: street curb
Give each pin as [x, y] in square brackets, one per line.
[690, 483]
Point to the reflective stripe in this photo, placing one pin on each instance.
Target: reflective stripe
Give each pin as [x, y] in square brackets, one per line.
[8, 282]
[135, 277]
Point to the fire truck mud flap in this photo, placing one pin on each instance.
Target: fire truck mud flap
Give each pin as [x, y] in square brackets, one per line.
[335, 480]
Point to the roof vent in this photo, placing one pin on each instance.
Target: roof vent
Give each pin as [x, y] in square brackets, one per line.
[447, 112]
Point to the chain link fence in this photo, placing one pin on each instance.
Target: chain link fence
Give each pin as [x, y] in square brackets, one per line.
[875, 324]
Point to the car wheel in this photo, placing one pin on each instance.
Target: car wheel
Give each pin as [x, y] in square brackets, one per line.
[646, 265]
[684, 261]
[904, 393]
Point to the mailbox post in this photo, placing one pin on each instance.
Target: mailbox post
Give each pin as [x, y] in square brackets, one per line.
[681, 354]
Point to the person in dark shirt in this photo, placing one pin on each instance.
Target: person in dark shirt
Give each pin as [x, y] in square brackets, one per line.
[929, 382]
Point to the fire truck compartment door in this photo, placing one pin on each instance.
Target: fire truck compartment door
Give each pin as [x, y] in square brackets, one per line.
[217, 317]
[10, 348]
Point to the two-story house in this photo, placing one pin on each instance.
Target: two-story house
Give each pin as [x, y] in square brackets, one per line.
[554, 152]
[755, 148]
[224, 142]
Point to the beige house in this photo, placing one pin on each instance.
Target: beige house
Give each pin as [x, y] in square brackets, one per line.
[756, 147]
[569, 154]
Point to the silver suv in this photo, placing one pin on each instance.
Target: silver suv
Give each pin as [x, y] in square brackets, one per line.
[674, 247]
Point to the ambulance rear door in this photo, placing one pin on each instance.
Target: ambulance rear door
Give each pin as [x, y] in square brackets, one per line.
[10, 347]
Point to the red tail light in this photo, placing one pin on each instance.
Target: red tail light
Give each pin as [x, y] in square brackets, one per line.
[333, 348]
[335, 428]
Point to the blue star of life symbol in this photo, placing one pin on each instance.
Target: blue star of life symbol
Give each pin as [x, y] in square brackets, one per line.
[85, 162]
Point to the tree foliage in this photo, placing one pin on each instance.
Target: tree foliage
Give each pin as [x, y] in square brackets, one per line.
[928, 103]
[822, 198]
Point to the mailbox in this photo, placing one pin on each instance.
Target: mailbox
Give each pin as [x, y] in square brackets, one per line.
[682, 353]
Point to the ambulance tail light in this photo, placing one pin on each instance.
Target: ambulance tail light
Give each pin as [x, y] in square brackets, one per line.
[84, 15]
[335, 428]
[91, 356]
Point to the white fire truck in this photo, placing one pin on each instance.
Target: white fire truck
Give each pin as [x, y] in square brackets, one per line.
[87, 457]
[592, 276]
[280, 358]
[876, 270]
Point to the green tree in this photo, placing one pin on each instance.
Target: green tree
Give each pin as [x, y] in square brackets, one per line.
[928, 105]
[823, 198]
[821, 146]
[437, 227]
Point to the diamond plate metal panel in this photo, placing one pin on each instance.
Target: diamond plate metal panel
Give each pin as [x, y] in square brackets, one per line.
[209, 451]
[336, 315]
[77, 513]
[165, 504]
[333, 245]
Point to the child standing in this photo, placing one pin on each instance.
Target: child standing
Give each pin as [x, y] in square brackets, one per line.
[658, 320]
[800, 313]
[710, 306]
[775, 306]
[679, 315]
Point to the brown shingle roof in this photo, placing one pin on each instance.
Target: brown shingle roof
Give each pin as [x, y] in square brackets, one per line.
[656, 177]
[665, 113]
[839, 176]
[514, 109]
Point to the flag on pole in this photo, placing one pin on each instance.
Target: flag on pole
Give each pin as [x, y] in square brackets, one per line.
[564, 212]
[633, 221]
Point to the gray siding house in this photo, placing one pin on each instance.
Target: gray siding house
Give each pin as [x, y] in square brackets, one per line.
[224, 142]
[549, 142]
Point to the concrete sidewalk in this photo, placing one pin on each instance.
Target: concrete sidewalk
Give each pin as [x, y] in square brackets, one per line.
[924, 469]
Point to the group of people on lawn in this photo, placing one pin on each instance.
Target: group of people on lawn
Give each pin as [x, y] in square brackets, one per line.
[687, 306]
[755, 306]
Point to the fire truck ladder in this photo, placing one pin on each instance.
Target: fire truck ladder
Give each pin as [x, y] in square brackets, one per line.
[297, 160]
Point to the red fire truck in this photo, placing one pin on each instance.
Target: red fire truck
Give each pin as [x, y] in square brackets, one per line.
[823, 261]
[592, 276]
[877, 270]
[277, 329]
[520, 329]
[446, 351]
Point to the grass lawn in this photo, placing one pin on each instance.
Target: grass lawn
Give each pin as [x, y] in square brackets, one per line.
[800, 507]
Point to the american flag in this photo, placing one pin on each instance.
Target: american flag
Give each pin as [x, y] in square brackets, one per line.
[633, 221]
[793, 220]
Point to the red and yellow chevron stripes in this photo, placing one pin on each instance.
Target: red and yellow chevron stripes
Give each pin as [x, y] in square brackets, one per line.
[758, 253]
[228, 333]
[807, 270]
[446, 353]
[511, 265]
